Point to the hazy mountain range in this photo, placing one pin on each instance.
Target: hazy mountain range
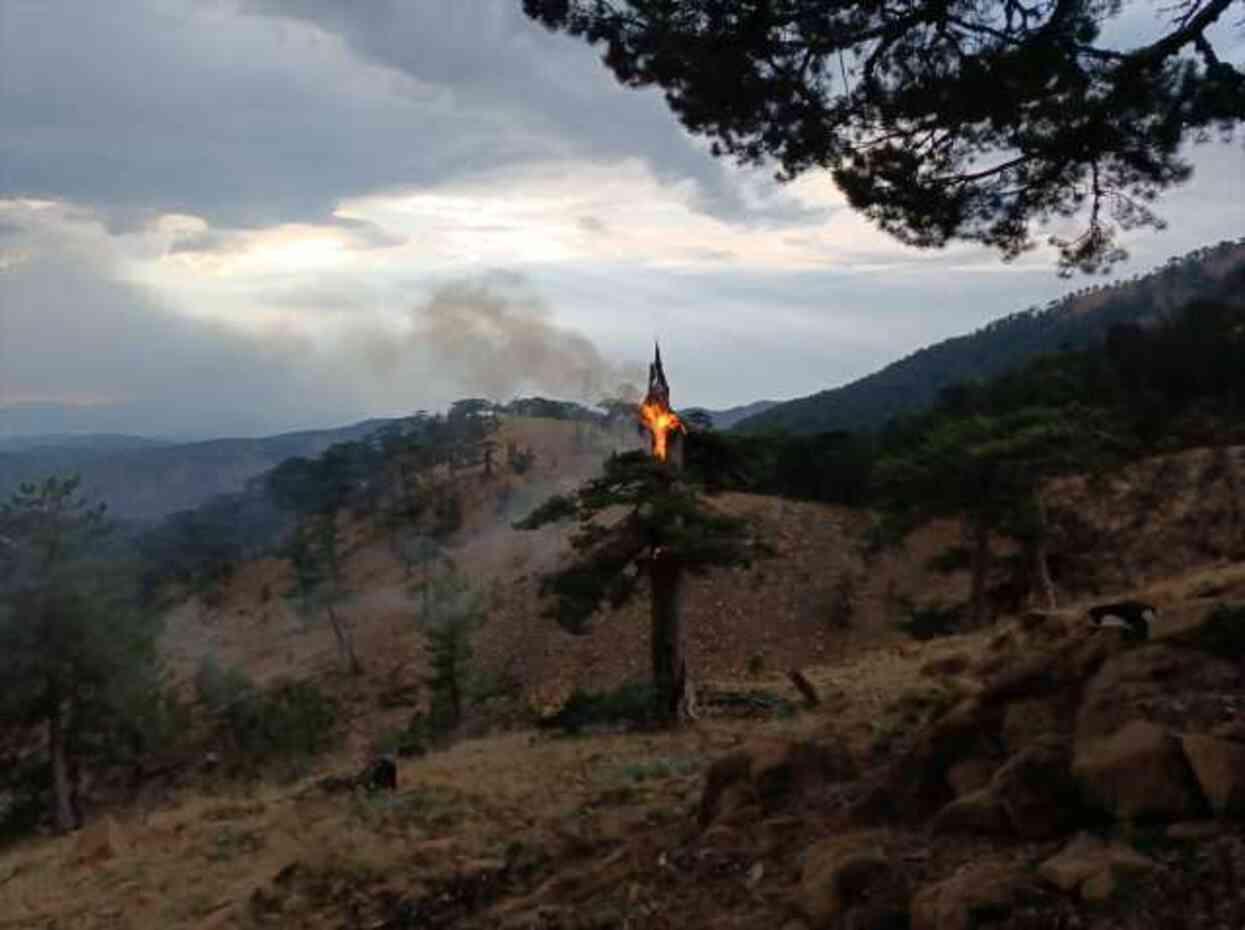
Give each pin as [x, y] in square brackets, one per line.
[143, 479]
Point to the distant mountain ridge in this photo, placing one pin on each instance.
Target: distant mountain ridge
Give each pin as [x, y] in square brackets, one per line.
[143, 479]
[725, 419]
[101, 443]
[1078, 320]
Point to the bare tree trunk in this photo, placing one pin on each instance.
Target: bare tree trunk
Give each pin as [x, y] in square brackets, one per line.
[62, 782]
[981, 570]
[1041, 565]
[669, 668]
[345, 641]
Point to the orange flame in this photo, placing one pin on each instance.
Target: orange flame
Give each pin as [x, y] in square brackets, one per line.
[660, 423]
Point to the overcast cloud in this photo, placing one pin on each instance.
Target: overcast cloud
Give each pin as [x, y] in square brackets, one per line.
[240, 216]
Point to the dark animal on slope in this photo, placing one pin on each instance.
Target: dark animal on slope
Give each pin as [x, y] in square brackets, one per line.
[1133, 617]
[380, 775]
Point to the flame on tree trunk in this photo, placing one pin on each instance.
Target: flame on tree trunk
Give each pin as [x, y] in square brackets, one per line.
[665, 571]
[665, 429]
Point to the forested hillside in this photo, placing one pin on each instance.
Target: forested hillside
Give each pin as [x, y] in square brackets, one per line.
[1077, 321]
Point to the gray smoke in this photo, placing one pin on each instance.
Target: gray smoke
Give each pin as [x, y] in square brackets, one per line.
[499, 344]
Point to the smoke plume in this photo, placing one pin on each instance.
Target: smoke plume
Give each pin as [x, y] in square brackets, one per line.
[499, 345]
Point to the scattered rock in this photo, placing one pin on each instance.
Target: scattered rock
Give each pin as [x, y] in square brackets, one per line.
[1194, 830]
[1089, 655]
[1051, 623]
[1233, 730]
[1034, 676]
[973, 896]
[970, 775]
[1025, 721]
[1133, 683]
[1139, 772]
[916, 784]
[722, 774]
[1220, 769]
[947, 666]
[840, 875]
[780, 771]
[1036, 789]
[979, 812]
[877, 916]
[97, 842]
[1094, 869]
[769, 774]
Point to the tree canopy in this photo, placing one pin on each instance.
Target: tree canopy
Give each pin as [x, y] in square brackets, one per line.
[940, 120]
[76, 658]
[660, 515]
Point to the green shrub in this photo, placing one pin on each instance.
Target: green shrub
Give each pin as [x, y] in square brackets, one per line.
[503, 685]
[630, 704]
[403, 742]
[218, 687]
[25, 784]
[931, 621]
[288, 721]
[659, 768]
[1223, 632]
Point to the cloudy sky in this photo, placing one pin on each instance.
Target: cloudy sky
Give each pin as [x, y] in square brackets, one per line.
[244, 216]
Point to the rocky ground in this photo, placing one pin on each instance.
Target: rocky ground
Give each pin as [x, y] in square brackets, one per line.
[1036, 775]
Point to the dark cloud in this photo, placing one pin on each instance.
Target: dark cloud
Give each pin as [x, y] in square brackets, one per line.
[493, 58]
[276, 111]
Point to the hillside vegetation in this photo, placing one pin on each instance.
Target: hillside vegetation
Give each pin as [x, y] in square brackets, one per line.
[1077, 321]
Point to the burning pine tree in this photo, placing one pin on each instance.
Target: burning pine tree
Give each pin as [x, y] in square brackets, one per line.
[667, 531]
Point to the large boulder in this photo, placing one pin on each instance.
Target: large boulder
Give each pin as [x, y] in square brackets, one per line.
[769, 774]
[916, 784]
[1151, 681]
[974, 897]
[727, 773]
[1219, 765]
[847, 874]
[1094, 869]
[977, 813]
[1036, 791]
[970, 775]
[1140, 772]
[1027, 720]
[1032, 796]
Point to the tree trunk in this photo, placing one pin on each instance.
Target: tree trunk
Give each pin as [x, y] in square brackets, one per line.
[345, 642]
[1041, 565]
[62, 782]
[981, 570]
[669, 669]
